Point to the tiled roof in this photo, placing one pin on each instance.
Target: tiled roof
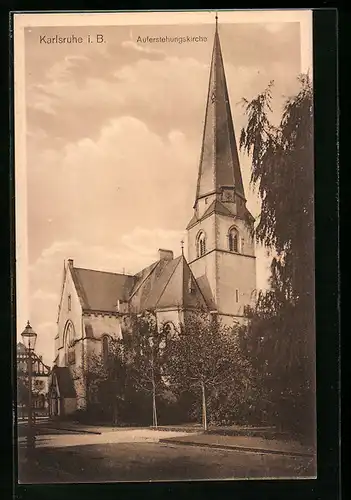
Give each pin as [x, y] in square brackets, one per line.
[161, 283]
[215, 207]
[141, 276]
[150, 285]
[204, 285]
[100, 290]
[165, 283]
[168, 285]
[219, 162]
[192, 222]
[64, 381]
[218, 208]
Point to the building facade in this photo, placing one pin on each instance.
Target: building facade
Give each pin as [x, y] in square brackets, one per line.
[219, 276]
[40, 383]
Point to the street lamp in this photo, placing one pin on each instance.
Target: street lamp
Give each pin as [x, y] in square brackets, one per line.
[154, 410]
[29, 339]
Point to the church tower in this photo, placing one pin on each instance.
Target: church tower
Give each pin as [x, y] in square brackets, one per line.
[221, 249]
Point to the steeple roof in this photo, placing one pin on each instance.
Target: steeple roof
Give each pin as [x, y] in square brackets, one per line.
[215, 207]
[219, 161]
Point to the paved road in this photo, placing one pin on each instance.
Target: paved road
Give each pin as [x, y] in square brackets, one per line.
[61, 438]
[137, 456]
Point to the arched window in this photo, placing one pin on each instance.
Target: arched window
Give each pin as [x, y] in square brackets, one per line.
[233, 240]
[168, 330]
[69, 335]
[69, 340]
[201, 244]
[105, 348]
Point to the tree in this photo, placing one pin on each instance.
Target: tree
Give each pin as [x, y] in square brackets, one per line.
[282, 170]
[280, 335]
[144, 348]
[204, 357]
[132, 368]
[106, 380]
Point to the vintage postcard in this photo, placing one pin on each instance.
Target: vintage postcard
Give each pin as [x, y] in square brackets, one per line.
[164, 246]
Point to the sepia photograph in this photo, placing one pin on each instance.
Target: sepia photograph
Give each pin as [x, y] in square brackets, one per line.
[164, 217]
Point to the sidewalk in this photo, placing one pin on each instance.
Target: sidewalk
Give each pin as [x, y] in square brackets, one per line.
[233, 430]
[233, 438]
[243, 443]
[86, 429]
[125, 436]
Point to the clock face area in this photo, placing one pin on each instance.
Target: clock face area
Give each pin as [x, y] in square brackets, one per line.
[228, 195]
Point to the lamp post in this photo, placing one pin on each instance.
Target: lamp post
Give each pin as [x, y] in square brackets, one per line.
[154, 410]
[29, 339]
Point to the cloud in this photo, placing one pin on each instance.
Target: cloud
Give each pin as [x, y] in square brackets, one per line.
[45, 345]
[140, 48]
[84, 189]
[41, 296]
[137, 249]
[63, 68]
[76, 106]
[146, 242]
[113, 154]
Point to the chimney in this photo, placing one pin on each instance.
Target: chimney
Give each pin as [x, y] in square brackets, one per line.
[165, 254]
[70, 263]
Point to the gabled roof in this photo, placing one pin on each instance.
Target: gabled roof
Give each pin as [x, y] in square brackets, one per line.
[100, 290]
[218, 208]
[141, 277]
[150, 285]
[64, 381]
[165, 283]
[215, 207]
[182, 289]
[169, 284]
[193, 221]
[204, 286]
[160, 284]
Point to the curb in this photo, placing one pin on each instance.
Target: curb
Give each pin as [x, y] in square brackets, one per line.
[223, 432]
[238, 448]
[177, 429]
[76, 431]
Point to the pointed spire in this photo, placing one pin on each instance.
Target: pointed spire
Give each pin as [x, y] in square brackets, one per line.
[219, 162]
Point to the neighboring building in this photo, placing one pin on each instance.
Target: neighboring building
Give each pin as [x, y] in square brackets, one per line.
[40, 383]
[220, 275]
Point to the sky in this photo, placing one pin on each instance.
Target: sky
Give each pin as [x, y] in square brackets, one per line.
[112, 143]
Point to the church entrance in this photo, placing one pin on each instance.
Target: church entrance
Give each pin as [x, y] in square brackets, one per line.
[53, 403]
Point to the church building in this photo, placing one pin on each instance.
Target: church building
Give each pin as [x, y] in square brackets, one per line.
[219, 275]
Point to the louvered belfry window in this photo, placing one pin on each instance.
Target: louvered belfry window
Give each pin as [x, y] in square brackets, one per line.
[201, 244]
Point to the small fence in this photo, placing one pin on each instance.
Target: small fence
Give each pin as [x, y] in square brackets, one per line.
[37, 412]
